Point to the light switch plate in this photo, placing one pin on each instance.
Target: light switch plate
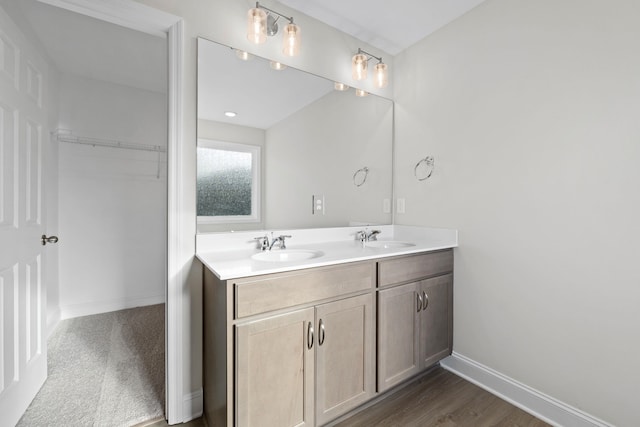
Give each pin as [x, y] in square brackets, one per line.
[317, 207]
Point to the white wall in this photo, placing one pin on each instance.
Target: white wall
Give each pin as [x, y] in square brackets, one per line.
[226, 132]
[112, 203]
[531, 111]
[317, 150]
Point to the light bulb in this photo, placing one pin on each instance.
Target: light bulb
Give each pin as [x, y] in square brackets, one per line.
[361, 93]
[359, 67]
[257, 25]
[380, 76]
[340, 86]
[291, 40]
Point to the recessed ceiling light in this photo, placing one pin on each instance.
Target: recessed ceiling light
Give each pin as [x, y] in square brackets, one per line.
[277, 65]
[245, 56]
[230, 114]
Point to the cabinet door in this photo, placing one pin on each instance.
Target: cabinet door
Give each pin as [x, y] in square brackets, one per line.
[436, 319]
[398, 350]
[275, 371]
[344, 356]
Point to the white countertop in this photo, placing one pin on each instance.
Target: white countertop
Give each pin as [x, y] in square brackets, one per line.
[228, 255]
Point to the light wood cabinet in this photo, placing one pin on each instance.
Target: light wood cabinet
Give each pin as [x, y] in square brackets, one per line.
[345, 368]
[275, 371]
[436, 319]
[414, 267]
[262, 294]
[289, 349]
[305, 347]
[398, 335]
[284, 360]
[415, 328]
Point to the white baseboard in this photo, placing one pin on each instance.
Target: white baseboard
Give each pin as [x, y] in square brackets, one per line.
[540, 405]
[192, 405]
[97, 307]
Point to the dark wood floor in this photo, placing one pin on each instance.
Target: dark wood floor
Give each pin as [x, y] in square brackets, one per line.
[445, 400]
[438, 399]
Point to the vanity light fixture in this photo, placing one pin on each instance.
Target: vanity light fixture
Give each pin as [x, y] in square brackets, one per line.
[262, 23]
[278, 66]
[340, 86]
[360, 64]
[361, 93]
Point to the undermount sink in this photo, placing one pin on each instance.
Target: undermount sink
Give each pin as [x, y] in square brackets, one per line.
[388, 244]
[286, 255]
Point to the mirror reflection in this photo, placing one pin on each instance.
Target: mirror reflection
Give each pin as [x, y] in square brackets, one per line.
[282, 148]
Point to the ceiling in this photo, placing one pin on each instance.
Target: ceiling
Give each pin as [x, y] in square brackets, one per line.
[91, 48]
[391, 26]
[251, 88]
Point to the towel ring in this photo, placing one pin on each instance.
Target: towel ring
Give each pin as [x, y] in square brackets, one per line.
[426, 167]
[360, 177]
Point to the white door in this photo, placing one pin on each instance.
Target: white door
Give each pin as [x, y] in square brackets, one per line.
[24, 139]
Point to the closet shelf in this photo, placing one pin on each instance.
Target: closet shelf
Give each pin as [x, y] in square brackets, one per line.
[68, 136]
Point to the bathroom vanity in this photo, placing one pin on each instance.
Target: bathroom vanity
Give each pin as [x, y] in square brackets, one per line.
[303, 342]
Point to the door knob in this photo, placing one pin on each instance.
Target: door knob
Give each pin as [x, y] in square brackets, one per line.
[50, 239]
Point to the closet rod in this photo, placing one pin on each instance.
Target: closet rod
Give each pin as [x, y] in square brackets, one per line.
[99, 142]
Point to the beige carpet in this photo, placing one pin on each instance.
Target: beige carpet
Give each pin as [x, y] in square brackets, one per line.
[104, 370]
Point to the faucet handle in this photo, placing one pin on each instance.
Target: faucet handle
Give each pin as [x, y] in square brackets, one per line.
[263, 242]
[281, 238]
[361, 235]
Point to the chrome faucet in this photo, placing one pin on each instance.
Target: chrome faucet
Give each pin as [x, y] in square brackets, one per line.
[264, 245]
[364, 236]
[263, 242]
[373, 235]
[280, 240]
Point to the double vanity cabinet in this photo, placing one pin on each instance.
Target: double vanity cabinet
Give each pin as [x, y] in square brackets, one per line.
[305, 347]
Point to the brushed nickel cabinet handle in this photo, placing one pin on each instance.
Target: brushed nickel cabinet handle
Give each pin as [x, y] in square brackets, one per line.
[419, 302]
[321, 333]
[310, 335]
[426, 300]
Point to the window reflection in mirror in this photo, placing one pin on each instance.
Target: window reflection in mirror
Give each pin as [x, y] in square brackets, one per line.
[228, 182]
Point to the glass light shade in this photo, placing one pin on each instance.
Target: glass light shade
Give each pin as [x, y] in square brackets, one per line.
[359, 67]
[257, 25]
[361, 93]
[340, 86]
[380, 75]
[291, 40]
[277, 65]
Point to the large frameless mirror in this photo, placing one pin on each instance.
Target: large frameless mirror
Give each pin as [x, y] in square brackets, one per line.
[282, 148]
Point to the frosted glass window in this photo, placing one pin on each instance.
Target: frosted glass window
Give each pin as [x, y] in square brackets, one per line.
[227, 182]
